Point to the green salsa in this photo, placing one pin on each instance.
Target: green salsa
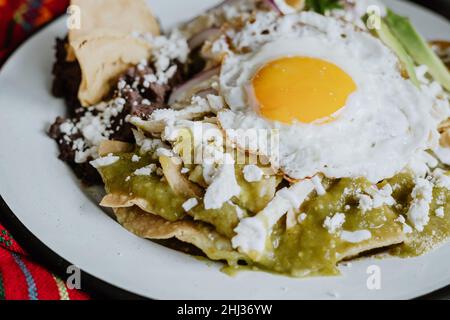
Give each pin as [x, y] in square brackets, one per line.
[306, 248]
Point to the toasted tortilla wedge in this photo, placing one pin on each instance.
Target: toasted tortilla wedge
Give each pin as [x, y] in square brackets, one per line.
[110, 146]
[116, 201]
[179, 183]
[149, 226]
[113, 17]
[375, 243]
[104, 45]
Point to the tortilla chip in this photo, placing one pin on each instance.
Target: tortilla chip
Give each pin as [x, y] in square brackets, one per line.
[105, 47]
[179, 183]
[122, 201]
[114, 201]
[374, 243]
[110, 146]
[145, 225]
[119, 17]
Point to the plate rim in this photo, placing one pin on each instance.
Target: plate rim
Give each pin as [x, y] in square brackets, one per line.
[97, 288]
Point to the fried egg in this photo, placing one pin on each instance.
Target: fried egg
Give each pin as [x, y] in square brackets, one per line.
[334, 95]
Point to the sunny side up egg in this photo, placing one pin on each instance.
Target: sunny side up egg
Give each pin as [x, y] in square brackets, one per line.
[334, 95]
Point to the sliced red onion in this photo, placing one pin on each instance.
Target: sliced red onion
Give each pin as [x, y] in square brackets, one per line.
[180, 91]
[200, 38]
[272, 5]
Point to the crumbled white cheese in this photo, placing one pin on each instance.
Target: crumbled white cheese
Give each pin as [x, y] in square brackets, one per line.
[184, 170]
[252, 233]
[94, 128]
[376, 198]
[406, 227]
[440, 179]
[291, 220]
[147, 145]
[215, 102]
[166, 119]
[301, 217]
[421, 163]
[439, 212]
[68, 128]
[145, 171]
[164, 50]
[239, 211]
[318, 185]
[356, 236]
[418, 213]
[135, 158]
[190, 204]
[224, 185]
[104, 161]
[252, 173]
[334, 223]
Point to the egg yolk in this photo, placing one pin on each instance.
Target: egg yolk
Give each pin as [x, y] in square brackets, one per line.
[301, 88]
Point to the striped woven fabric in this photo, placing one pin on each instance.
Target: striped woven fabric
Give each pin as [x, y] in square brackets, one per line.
[20, 277]
[20, 18]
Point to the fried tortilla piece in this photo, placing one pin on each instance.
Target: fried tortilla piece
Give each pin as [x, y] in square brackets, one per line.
[171, 209]
[145, 225]
[255, 196]
[180, 184]
[129, 182]
[391, 238]
[109, 146]
[105, 45]
[225, 219]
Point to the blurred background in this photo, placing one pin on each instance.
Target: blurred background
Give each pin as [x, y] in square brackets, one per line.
[441, 6]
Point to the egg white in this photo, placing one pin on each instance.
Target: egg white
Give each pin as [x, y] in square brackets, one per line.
[383, 125]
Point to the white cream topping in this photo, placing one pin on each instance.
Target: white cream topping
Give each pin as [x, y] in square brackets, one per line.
[190, 204]
[356, 236]
[439, 212]
[224, 185]
[418, 213]
[317, 181]
[334, 224]
[104, 161]
[252, 233]
[376, 198]
[165, 49]
[252, 173]
[406, 227]
[145, 171]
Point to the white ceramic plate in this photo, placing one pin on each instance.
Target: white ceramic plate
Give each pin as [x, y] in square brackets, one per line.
[48, 200]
